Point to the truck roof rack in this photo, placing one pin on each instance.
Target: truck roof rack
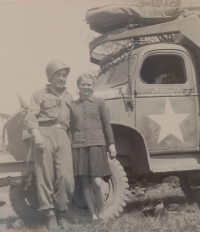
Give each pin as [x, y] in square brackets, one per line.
[188, 27]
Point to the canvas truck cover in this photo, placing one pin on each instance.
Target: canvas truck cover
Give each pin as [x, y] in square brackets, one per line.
[115, 16]
[186, 31]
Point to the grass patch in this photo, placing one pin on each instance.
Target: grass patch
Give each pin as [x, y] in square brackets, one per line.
[185, 218]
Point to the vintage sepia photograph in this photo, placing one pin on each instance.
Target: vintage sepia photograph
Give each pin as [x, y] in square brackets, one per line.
[100, 116]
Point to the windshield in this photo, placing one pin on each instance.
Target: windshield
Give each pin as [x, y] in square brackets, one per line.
[113, 76]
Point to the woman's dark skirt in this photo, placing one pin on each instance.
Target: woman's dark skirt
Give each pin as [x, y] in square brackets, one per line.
[91, 161]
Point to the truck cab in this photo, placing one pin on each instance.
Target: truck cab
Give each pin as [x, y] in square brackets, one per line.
[152, 94]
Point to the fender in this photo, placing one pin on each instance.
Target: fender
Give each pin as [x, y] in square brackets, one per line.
[16, 131]
[130, 143]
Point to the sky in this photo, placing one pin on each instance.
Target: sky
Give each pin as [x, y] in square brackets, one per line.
[32, 33]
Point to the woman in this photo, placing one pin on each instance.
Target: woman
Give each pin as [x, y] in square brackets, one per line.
[91, 131]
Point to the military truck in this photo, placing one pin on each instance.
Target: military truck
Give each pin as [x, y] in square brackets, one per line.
[151, 91]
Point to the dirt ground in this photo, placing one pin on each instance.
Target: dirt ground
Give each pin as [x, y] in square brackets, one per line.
[167, 192]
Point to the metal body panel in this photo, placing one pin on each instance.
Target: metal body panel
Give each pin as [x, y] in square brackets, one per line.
[114, 107]
[7, 158]
[155, 114]
[175, 162]
[131, 146]
[117, 106]
[165, 102]
[16, 130]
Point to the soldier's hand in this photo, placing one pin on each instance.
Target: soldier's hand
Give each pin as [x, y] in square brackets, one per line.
[112, 151]
[39, 142]
[38, 139]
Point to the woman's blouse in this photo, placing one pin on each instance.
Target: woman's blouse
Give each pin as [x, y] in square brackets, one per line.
[90, 123]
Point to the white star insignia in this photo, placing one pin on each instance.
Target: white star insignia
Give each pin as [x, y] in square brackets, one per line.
[169, 122]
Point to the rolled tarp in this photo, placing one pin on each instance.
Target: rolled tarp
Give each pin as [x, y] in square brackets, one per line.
[116, 16]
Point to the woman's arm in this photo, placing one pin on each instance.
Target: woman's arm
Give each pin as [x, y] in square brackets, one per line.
[107, 129]
[71, 126]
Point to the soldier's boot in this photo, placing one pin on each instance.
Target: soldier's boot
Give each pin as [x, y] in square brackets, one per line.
[51, 222]
[62, 221]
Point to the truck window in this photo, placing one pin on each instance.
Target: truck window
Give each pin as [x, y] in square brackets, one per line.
[163, 69]
[115, 75]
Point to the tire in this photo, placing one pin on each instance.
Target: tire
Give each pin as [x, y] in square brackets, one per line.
[25, 204]
[191, 188]
[116, 196]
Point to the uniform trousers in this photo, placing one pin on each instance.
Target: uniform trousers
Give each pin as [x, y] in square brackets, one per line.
[54, 169]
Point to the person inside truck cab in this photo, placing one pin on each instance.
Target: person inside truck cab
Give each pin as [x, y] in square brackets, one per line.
[165, 78]
[162, 69]
[48, 121]
[91, 131]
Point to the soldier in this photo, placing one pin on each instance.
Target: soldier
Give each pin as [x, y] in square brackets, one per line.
[48, 121]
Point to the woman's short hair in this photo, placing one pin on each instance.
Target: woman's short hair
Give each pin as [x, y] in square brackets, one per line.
[85, 75]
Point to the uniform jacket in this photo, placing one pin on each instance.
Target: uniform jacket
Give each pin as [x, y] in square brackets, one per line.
[90, 124]
[47, 106]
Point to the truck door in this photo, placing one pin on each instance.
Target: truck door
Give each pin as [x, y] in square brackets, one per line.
[166, 109]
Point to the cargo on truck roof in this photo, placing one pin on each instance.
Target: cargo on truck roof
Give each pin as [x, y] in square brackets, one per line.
[186, 32]
[115, 16]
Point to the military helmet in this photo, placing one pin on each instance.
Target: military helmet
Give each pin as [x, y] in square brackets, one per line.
[54, 66]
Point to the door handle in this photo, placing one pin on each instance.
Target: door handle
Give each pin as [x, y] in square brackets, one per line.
[187, 91]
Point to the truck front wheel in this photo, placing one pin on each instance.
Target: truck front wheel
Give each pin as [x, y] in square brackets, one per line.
[116, 192]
